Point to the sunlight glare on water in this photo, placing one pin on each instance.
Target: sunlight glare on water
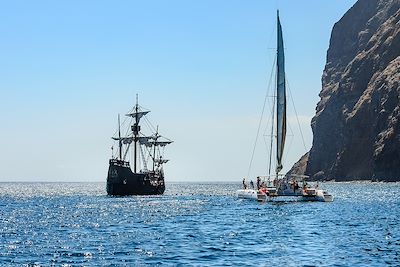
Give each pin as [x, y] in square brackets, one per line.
[196, 224]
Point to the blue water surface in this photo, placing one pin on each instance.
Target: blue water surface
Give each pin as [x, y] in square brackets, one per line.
[196, 224]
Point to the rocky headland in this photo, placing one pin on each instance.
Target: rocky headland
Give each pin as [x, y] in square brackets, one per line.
[357, 122]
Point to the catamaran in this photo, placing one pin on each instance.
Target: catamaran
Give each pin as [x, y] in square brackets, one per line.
[149, 180]
[271, 187]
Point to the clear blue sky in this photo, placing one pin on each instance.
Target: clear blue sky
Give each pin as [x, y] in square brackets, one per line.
[67, 68]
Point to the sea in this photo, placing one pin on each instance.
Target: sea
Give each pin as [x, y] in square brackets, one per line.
[197, 224]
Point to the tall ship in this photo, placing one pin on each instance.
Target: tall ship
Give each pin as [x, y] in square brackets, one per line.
[145, 148]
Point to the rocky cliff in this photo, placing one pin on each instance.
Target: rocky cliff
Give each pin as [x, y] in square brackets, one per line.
[357, 122]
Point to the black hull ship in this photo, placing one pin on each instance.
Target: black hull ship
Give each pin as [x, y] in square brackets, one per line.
[121, 180]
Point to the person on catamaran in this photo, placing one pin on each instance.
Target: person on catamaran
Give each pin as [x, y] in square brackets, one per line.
[258, 182]
[251, 184]
[244, 183]
[305, 188]
[263, 190]
[295, 186]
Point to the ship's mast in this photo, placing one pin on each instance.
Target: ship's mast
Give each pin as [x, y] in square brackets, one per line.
[136, 129]
[120, 141]
[154, 151]
[137, 114]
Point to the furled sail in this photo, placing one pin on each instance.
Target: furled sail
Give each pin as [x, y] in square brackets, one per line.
[127, 140]
[280, 99]
[158, 143]
[144, 139]
[124, 140]
[161, 161]
[139, 114]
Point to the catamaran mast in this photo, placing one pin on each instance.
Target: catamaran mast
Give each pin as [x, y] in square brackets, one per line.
[272, 136]
[280, 99]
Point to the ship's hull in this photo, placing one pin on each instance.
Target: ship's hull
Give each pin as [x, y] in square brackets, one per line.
[121, 181]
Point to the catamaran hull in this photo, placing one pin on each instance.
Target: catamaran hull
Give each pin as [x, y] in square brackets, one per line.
[251, 194]
[320, 196]
[121, 181]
